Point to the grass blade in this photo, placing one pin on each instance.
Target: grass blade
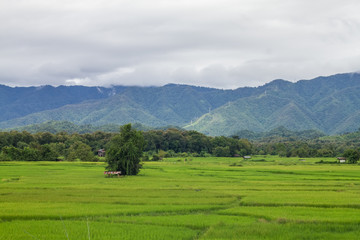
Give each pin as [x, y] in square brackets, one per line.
[67, 235]
[87, 223]
[30, 235]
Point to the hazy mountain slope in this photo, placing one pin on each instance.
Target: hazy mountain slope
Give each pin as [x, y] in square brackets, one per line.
[21, 101]
[261, 113]
[291, 116]
[69, 127]
[222, 121]
[339, 111]
[349, 124]
[329, 104]
[118, 109]
[153, 106]
[179, 104]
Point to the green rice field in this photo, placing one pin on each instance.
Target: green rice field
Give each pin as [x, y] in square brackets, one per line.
[201, 198]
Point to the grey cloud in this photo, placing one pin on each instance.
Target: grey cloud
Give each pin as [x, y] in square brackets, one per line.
[215, 43]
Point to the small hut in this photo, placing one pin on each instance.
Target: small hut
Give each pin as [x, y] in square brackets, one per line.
[341, 159]
[101, 152]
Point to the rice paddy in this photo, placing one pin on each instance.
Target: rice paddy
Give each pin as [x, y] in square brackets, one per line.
[200, 198]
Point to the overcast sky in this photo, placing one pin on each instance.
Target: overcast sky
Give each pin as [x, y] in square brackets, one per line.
[215, 43]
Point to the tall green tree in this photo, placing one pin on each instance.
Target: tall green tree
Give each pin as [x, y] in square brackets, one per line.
[125, 150]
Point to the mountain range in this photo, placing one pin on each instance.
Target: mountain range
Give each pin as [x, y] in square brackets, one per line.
[328, 104]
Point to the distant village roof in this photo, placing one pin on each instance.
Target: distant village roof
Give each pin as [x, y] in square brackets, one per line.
[101, 152]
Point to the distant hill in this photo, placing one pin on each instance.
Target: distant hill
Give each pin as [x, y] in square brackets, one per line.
[22, 101]
[327, 104]
[153, 106]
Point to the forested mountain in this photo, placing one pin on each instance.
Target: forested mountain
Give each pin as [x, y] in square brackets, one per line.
[152, 106]
[328, 104]
[21, 101]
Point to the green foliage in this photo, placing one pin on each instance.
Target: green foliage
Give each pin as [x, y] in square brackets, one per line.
[41, 153]
[12, 153]
[324, 153]
[81, 151]
[222, 151]
[24, 146]
[161, 154]
[155, 157]
[280, 133]
[125, 151]
[352, 155]
[31, 154]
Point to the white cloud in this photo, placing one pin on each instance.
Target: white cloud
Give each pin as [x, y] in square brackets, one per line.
[215, 43]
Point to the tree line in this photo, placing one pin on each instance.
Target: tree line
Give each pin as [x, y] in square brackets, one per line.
[45, 146]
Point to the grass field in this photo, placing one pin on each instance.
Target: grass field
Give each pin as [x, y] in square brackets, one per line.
[202, 198]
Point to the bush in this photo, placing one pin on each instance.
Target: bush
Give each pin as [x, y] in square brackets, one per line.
[156, 158]
[145, 158]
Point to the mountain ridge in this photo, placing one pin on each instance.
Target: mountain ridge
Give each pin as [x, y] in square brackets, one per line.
[328, 104]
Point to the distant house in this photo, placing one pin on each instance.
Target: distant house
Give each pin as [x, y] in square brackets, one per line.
[247, 157]
[341, 159]
[101, 152]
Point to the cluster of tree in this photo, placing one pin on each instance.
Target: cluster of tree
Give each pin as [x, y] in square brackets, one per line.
[45, 146]
[310, 148]
[171, 142]
[280, 132]
[180, 141]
